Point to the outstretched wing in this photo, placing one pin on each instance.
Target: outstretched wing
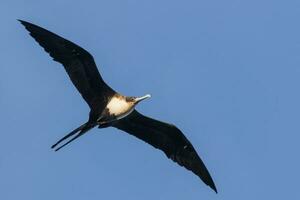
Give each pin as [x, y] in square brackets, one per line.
[78, 63]
[167, 138]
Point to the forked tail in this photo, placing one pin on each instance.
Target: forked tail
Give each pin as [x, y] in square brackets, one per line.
[79, 131]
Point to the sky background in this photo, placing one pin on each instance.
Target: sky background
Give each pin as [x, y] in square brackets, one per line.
[227, 73]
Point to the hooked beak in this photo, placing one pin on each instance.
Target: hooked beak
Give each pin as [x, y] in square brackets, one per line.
[139, 99]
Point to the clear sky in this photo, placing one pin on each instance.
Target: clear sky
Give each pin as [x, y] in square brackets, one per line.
[227, 73]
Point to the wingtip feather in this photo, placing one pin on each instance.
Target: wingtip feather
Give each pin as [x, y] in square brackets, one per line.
[214, 188]
[22, 21]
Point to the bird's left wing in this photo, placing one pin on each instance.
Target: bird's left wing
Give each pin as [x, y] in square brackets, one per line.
[78, 63]
[167, 138]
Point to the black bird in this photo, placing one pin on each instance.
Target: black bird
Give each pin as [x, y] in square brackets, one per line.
[111, 109]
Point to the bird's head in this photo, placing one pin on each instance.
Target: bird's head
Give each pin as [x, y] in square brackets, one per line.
[136, 100]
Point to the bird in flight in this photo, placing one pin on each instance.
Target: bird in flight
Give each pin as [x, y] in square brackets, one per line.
[111, 109]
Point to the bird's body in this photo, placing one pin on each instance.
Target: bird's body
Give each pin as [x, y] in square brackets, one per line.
[111, 109]
[118, 107]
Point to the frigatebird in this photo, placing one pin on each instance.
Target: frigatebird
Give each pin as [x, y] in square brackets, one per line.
[111, 109]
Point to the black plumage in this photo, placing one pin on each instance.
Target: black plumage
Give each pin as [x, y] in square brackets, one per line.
[167, 138]
[78, 63]
[82, 70]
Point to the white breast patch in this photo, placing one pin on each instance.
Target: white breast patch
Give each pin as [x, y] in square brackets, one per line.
[119, 107]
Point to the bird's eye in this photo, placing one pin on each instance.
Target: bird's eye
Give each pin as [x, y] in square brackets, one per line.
[130, 98]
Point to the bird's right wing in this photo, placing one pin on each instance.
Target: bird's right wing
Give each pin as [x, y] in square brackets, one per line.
[167, 138]
[78, 63]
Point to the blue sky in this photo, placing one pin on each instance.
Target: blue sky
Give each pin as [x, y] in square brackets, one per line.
[225, 72]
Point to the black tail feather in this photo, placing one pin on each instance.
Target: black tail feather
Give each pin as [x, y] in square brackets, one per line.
[85, 129]
[69, 135]
[79, 131]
